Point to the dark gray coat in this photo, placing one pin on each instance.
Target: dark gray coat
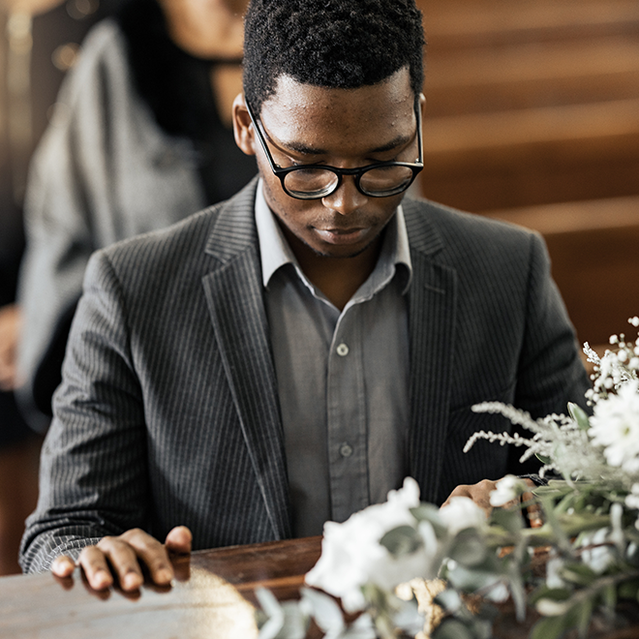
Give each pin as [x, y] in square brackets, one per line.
[168, 413]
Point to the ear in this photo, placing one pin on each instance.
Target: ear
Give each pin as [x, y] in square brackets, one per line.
[242, 126]
[422, 104]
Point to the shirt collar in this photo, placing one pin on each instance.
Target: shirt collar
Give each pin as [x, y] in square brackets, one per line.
[275, 251]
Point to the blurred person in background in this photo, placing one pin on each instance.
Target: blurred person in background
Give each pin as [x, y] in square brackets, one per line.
[39, 42]
[141, 136]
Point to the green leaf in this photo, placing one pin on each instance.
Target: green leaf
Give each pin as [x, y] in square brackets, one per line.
[468, 548]
[578, 573]
[449, 600]
[430, 513]
[583, 614]
[511, 520]
[558, 594]
[550, 628]
[628, 590]
[609, 596]
[579, 415]
[401, 541]
[453, 629]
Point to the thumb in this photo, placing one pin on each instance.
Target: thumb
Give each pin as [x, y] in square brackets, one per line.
[179, 540]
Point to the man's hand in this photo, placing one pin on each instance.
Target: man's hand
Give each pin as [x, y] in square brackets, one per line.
[479, 493]
[125, 554]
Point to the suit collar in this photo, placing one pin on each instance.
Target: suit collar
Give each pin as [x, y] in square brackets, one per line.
[233, 292]
[233, 229]
[432, 303]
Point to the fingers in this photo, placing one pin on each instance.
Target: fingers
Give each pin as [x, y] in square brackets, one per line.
[479, 493]
[122, 557]
[63, 566]
[96, 568]
[151, 552]
[179, 540]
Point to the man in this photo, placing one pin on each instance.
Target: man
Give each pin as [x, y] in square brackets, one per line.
[288, 356]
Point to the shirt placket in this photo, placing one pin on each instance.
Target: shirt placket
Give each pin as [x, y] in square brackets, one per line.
[346, 418]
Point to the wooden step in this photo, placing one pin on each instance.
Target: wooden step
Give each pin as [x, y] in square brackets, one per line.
[532, 156]
[532, 75]
[471, 23]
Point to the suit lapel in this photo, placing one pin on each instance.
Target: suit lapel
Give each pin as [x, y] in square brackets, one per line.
[432, 305]
[234, 296]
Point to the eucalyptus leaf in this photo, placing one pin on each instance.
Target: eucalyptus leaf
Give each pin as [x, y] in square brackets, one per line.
[468, 548]
[324, 609]
[609, 596]
[449, 600]
[550, 628]
[453, 629]
[579, 415]
[629, 590]
[583, 613]
[511, 520]
[402, 541]
[578, 573]
[558, 594]
[430, 513]
[472, 580]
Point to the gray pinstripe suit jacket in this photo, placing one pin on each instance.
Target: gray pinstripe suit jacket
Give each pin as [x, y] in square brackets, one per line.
[168, 411]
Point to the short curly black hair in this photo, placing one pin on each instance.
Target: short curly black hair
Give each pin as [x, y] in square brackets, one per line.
[330, 43]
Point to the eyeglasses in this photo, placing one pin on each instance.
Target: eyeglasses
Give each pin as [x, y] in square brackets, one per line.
[314, 181]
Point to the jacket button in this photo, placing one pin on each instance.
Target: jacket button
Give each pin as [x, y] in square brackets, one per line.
[342, 350]
[345, 450]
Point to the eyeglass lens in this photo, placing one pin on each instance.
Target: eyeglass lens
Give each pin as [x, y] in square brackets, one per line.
[378, 181]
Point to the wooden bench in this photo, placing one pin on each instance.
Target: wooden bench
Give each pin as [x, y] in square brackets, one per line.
[531, 102]
[532, 76]
[532, 156]
[594, 248]
[455, 24]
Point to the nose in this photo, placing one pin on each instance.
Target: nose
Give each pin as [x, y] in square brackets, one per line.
[346, 199]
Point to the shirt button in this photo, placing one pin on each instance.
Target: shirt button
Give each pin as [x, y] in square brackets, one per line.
[345, 450]
[342, 350]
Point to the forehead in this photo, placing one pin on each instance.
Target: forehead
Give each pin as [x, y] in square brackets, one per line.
[330, 118]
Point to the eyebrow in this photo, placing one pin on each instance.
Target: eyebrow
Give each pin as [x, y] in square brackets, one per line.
[301, 148]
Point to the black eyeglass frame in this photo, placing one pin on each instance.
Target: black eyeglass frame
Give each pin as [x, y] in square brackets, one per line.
[282, 172]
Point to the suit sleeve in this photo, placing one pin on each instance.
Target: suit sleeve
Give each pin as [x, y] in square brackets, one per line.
[93, 478]
[550, 372]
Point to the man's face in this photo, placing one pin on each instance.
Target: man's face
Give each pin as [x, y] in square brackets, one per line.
[345, 128]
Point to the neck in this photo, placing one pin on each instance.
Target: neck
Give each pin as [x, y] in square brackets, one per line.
[337, 277]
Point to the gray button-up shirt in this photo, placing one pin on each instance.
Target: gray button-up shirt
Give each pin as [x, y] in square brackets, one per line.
[342, 377]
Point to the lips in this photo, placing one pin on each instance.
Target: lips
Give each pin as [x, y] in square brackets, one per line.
[341, 236]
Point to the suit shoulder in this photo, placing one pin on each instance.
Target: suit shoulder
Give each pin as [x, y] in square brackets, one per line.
[456, 232]
[181, 241]
[449, 220]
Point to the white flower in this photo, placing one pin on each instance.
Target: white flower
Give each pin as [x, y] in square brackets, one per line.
[632, 500]
[597, 555]
[553, 573]
[461, 513]
[551, 607]
[498, 592]
[352, 555]
[615, 426]
[507, 489]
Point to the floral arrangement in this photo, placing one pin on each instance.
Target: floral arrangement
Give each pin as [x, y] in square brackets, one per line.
[587, 540]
